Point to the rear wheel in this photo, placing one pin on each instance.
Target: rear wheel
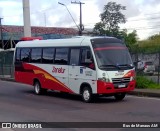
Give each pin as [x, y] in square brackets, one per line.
[87, 94]
[37, 88]
[120, 96]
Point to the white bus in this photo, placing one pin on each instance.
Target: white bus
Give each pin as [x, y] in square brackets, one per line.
[81, 65]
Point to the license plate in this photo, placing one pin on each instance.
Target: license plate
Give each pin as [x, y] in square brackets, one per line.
[121, 85]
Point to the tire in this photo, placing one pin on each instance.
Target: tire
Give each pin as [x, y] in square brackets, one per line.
[87, 94]
[120, 96]
[38, 90]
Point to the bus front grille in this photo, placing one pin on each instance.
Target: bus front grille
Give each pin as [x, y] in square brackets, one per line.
[119, 81]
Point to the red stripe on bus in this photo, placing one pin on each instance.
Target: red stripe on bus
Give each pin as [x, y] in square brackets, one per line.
[47, 80]
[110, 48]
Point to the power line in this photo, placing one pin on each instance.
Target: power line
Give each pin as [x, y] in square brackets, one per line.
[134, 28]
[152, 18]
[143, 28]
[147, 28]
[69, 14]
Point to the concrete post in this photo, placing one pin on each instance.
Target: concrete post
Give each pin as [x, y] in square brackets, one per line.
[26, 18]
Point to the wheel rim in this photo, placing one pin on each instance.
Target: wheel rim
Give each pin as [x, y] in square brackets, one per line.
[37, 88]
[86, 95]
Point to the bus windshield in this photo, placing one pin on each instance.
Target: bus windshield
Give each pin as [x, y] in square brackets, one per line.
[111, 56]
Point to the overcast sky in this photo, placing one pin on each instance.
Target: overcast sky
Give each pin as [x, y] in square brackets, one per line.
[142, 15]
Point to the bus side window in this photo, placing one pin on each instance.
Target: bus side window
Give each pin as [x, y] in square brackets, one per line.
[25, 54]
[61, 56]
[36, 54]
[48, 55]
[74, 58]
[87, 58]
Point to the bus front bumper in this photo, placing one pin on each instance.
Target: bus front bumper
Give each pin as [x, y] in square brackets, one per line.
[109, 88]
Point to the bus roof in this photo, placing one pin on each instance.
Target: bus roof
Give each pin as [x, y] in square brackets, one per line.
[1, 49]
[74, 41]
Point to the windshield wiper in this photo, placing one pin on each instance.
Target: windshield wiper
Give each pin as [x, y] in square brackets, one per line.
[110, 66]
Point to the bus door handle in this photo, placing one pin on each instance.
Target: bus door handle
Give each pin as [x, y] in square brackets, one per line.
[63, 77]
[76, 79]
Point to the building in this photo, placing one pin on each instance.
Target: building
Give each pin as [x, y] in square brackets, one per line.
[12, 34]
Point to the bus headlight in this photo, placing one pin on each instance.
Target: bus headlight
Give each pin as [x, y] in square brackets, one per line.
[104, 79]
[133, 78]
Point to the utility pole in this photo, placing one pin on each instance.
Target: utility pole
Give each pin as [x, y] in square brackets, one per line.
[1, 33]
[80, 24]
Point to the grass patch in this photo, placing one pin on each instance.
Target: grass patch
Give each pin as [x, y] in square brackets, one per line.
[143, 83]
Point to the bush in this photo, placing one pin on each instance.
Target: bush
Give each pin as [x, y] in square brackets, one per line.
[142, 83]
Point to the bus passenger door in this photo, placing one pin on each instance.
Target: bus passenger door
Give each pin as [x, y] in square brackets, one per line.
[81, 69]
[74, 69]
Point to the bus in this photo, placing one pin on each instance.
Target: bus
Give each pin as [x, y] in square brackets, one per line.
[88, 66]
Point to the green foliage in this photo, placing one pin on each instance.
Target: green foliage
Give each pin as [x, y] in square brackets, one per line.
[99, 28]
[142, 83]
[112, 15]
[130, 40]
[110, 18]
[151, 45]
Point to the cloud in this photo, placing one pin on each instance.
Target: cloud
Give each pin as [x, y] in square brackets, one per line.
[50, 13]
[11, 11]
[147, 22]
[47, 13]
[150, 2]
[11, 7]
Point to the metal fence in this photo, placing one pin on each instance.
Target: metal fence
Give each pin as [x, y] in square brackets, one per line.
[148, 57]
[6, 63]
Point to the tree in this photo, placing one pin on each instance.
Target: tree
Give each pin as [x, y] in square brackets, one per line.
[130, 38]
[109, 25]
[110, 18]
[99, 28]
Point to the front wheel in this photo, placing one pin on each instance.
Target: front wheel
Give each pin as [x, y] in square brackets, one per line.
[120, 96]
[87, 95]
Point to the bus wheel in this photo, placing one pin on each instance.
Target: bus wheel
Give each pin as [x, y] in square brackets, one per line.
[87, 95]
[120, 96]
[38, 90]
